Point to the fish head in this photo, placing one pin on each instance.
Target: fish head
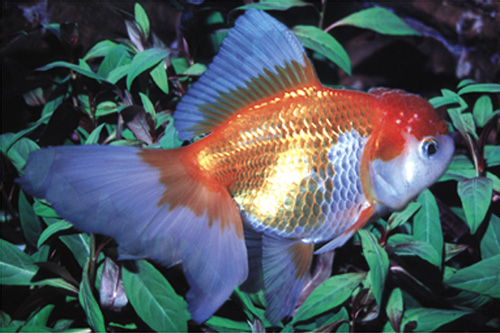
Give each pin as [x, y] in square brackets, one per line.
[408, 151]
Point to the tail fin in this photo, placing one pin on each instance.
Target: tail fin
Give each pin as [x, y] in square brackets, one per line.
[153, 207]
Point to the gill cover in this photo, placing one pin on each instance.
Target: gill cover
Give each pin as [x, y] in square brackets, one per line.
[408, 151]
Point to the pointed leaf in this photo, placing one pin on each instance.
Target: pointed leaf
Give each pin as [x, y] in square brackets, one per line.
[81, 68]
[328, 295]
[195, 70]
[89, 304]
[323, 43]
[16, 267]
[377, 260]
[52, 230]
[428, 319]
[475, 194]
[18, 153]
[275, 5]
[159, 75]
[100, 49]
[463, 122]
[141, 18]
[483, 277]
[118, 73]
[148, 106]
[41, 317]
[154, 300]
[493, 158]
[116, 57]
[426, 223]
[395, 309]
[480, 88]
[398, 218]
[143, 61]
[490, 244]
[170, 139]
[483, 110]
[93, 137]
[406, 245]
[380, 20]
[30, 222]
[105, 108]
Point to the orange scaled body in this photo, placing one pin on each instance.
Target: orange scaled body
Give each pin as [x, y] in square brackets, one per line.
[286, 168]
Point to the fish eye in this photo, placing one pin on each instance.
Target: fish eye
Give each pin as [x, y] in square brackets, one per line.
[430, 147]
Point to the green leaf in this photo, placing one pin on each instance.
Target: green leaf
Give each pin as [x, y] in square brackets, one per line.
[93, 137]
[19, 152]
[81, 68]
[480, 88]
[331, 293]
[179, 64]
[52, 230]
[100, 49]
[159, 75]
[154, 300]
[398, 218]
[141, 18]
[449, 97]
[496, 181]
[324, 43]
[380, 20]
[31, 224]
[428, 319]
[116, 57]
[274, 5]
[465, 82]
[475, 194]
[143, 61]
[463, 122]
[78, 244]
[43, 209]
[118, 73]
[426, 224]
[89, 304]
[220, 324]
[6, 144]
[483, 110]
[16, 267]
[105, 108]
[493, 158]
[170, 139]
[405, 245]
[482, 277]
[490, 244]
[195, 70]
[41, 317]
[395, 309]
[148, 106]
[377, 260]
[461, 162]
[452, 249]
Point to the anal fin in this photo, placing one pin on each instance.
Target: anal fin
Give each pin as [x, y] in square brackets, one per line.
[286, 265]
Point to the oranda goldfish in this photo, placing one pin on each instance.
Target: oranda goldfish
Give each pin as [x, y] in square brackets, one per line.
[299, 164]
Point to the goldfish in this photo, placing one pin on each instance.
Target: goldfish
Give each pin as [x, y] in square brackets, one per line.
[284, 168]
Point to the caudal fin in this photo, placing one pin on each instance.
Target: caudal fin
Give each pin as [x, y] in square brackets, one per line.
[153, 207]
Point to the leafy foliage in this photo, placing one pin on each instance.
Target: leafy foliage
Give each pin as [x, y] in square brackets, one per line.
[434, 264]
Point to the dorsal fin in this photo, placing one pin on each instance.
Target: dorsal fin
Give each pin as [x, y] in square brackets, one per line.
[259, 58]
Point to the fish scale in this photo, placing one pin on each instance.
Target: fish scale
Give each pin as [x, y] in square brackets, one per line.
[279, 161]
[301, 163]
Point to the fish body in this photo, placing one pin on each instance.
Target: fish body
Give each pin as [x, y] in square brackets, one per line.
[287, 164]
[291, 162]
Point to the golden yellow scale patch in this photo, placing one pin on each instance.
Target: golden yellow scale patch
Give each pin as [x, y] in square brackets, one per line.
[273, 157]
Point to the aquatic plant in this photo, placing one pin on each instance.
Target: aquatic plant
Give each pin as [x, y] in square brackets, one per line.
[434, 265]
